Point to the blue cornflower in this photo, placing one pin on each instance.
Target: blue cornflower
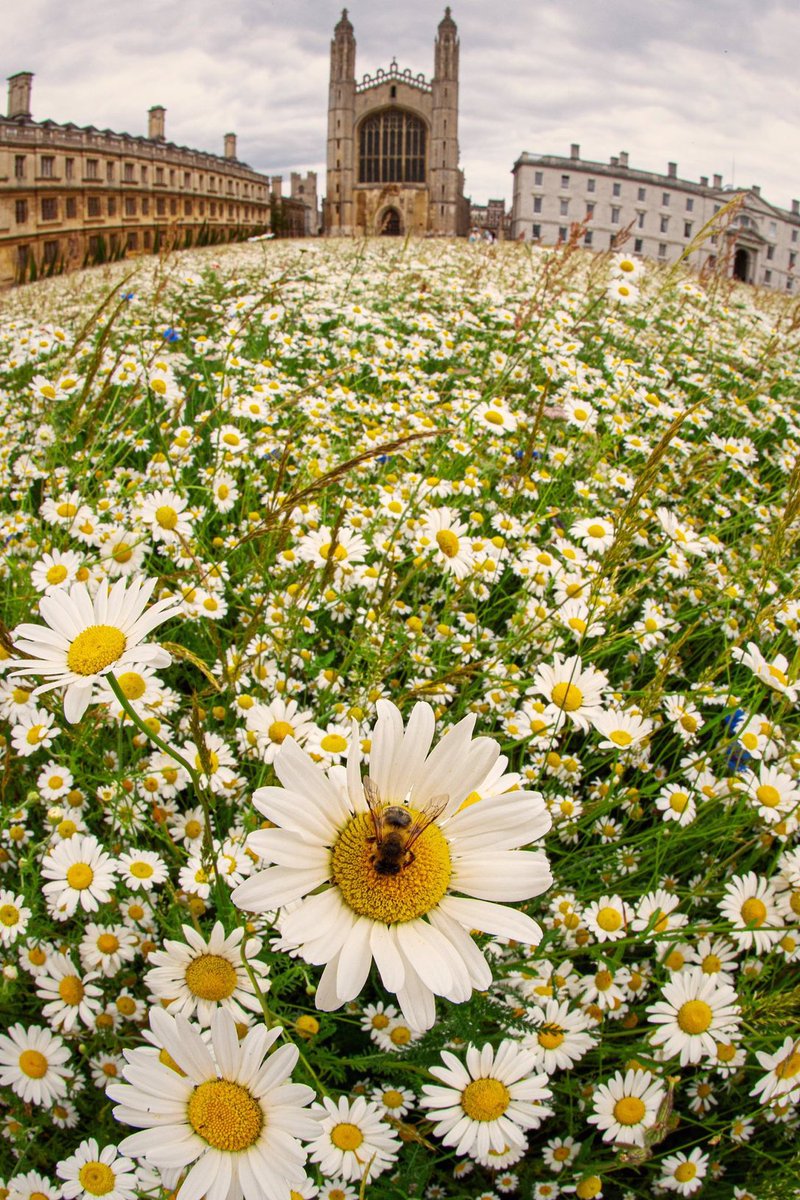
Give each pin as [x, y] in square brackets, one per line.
[170, 335]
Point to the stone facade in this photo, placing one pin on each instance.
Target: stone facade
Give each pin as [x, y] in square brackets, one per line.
[70, 196]
[656, 216]
[393, 144]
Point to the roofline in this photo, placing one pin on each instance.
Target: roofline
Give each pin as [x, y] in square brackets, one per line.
[71, 127]
[617, 170]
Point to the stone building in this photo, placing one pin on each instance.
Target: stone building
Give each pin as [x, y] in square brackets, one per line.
[71, 195]
[304, 192]
[490, 218]
[656, 216]
[392, 163]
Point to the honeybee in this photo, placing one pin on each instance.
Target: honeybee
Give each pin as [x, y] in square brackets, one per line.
[396, 830]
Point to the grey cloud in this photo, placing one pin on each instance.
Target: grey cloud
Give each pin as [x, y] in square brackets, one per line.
[703, 82]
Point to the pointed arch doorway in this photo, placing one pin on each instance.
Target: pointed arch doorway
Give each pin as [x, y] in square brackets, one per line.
[390, 223]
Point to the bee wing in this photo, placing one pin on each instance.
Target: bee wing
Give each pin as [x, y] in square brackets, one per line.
[434, 808]
[374, 804]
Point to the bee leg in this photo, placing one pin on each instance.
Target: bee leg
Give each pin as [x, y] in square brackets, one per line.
[411, 857]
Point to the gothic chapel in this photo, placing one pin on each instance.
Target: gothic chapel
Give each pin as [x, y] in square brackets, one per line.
[393, 144]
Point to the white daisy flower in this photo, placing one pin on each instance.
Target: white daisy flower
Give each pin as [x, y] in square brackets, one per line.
[696, 1012]
[142, 869]
[627, 1106]
[684, 1173]
[86, 638]
[56, 570]
[91, 1171]
[575, 691]
[35, 729]
[105, 948]
[447, 539]
[411, 910]
[69, 997]
[749, 904]
[164, 511]
[32, 1064]
[487, 1102]
[607, 918]
[80, 875]
[774, 674]
[31, 1185]
[353, 1140]
[782, 1079]
[196, 977]
[620, 729]
[560, 1037]
[272, 723]
[229, 1112]
[14, 917]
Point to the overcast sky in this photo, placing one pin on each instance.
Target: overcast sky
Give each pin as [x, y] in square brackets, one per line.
[710, 84]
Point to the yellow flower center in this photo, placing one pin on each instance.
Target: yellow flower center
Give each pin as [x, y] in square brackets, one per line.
[550, 1037]
[333, 743]
[66, 509]
[754, 911]
[589, 1188]
[20, 695]
[33, 1064]
[567, 697]
[97, 1178]
[35, 735]
[603, 980]
[447, 542]
[166, 516]
[339, 552]
[132, 684]
[596, 531]
[685, 1172]
[726, 1051]
[122, 553]
[609, 919]
[494, 417]
[678, 801]
[695, 1016]
[9, 915]
[346, 1136]
[767, 795]
[71, 989]
[400, 1035]
[789, 1066]
[108, 943]
[620, 737]
[392, 1098]
[225, 1115]
[416, 888]
[211, 977]
[193, 829]
[66, 828]
[166, 1059]
[159, 386]
[688, 722]
[711, 964]
[629, 1110]
[485, 1099]
[95, 648]
[56, 574]
[141, 870]
[278, 731]
[674, 960]
[80, 876]
[776, 673]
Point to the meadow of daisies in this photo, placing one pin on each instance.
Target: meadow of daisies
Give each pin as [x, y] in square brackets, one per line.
[399, 754]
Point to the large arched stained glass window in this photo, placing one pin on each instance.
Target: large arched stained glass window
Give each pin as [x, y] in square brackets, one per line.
[392, 148]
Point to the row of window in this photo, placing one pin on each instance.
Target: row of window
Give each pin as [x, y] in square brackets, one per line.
[162, 175]
[132, 207]
[616, 189]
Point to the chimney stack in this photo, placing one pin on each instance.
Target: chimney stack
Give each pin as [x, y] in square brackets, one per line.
[614, 160]
[796, 208]
[574, 150]
[756, 189]
[717, 181]
[623, 158]
[155, 123]
[672, 170]
[276, 188]
[230, 145]
[19, 96]
[703, 181]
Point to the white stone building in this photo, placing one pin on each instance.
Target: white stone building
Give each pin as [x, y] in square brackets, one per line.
[656, 216]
